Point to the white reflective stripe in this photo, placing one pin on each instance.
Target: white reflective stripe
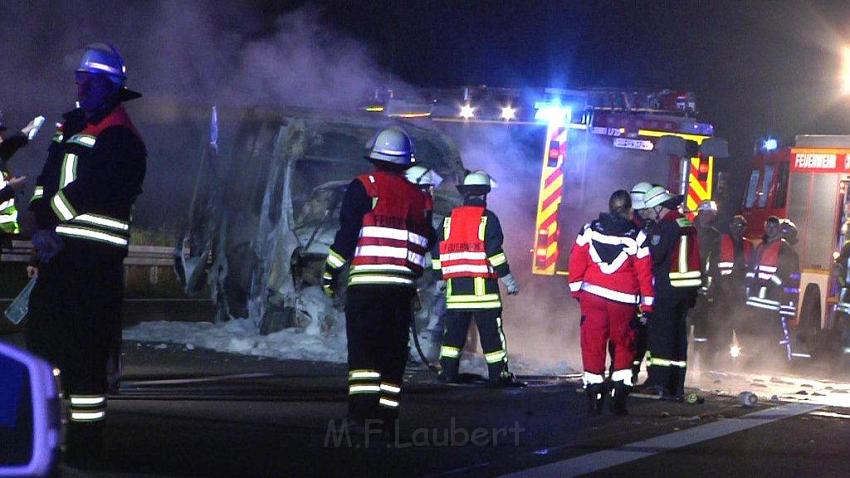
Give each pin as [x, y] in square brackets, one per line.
[685, 282]
[390, 388]
[642, 252]
[417, 239]
[388, 268]
[7, 218]
[765, 276]
[87, 416]
[39, 191]
[584, 237]
[473, 298]
[103, 221]
[776, 280]
[83, 139]
[592, 378]
[383, 233]
[765, 268]
[7, 204]
[725, 272]
[610, 294]
[495, 304]
[631, 244]
[448, 270]
[624, 376]
[575, 286]
[363, 389]
[460, 256]
[386, 402]
[725, 264]
[62, 208]
[75, 231]
[685, 275]
[69, 169]
[762, 306]
[335, 261]
[683, 254]
[648, 300]
[87, 400]
[103, 67]
[376, 279]
[382, 251]
[361, 374]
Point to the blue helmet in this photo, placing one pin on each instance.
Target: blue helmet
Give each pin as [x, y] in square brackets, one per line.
[104, 59]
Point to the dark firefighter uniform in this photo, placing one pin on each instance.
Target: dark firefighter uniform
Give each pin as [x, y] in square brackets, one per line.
[385, 231]
[611, 275]
[773, 287]
[676, 267]
[93, 174]
[729, 289]
[708, 238]
[469, 257]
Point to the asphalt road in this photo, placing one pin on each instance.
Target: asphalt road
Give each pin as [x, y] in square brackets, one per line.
[263, 417]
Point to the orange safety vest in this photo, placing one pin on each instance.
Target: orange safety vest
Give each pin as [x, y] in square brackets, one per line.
[462, 251]
[726, 262]
[392, 245]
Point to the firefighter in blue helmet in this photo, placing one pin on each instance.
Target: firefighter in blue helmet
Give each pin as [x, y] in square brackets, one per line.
[82, 206]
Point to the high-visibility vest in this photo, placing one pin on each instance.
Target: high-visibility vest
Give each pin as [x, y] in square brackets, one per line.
[107, 223]
[685, 270]
[463, 251]
[763, 277]
[8, 212]
[726, 261]
[392, 245]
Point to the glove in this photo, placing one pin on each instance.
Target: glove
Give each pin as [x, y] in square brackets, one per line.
[640, 320]
[46, 244]
[510, 284]
[329, 282]
[440, 285]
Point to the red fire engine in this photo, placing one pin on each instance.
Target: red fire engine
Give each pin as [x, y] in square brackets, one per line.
[808, 184]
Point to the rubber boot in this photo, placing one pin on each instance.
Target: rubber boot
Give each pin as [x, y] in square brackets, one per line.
[621, 393]
[449, 370]
[501, 377]
[595, 399]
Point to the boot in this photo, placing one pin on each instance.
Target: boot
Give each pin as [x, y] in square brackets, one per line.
[449, 370]
[501, 377]
[621, 393]
[595, 399]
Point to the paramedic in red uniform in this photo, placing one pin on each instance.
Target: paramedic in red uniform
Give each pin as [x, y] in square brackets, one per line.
[610, 275]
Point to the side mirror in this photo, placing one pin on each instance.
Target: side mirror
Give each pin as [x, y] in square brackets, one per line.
[717, 147]
[30, 415]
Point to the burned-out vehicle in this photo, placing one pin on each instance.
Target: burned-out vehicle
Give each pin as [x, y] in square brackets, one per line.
[265, 213]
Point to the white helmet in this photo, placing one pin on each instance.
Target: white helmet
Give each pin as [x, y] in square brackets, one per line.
[477, 183]
[638, 194]
[422, 176]
[391, 145]
[707, 205]
[657, 196]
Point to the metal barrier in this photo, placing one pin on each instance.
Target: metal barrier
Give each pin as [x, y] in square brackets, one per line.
[137, 255]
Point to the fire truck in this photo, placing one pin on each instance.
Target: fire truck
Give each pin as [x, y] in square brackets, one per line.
[808, 184]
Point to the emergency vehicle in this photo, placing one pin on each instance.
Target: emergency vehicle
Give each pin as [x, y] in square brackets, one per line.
[594, 141]
[808, 184]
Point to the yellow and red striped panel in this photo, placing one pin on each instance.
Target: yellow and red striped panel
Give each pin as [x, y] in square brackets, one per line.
[547, 231]
[698, 190]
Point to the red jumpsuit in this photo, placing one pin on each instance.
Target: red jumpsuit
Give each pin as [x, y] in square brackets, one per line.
[610, 275]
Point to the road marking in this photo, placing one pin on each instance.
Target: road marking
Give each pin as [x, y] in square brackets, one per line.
[593, 462]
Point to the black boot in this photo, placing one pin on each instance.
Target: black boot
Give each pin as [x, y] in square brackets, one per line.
[621, 393]
[595, 398]
[449, 370]
[501, 377]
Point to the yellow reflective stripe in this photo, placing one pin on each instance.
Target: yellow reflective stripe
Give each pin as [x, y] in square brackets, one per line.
[91, 234]
[335, 260]
[685, 282]
[449, 352]
[498, 259]
[436, 264]
[69, 170]
[62, 207]
[363, 374]
[447, 227]
[480, 286]
[472, 298]
[103, 221]
[482, 227]
[660, 362]
[496, 356]
[474, 305]
[683, 254]
[685, 275]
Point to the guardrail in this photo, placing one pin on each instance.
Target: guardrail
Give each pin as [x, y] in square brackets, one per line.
[137, 255]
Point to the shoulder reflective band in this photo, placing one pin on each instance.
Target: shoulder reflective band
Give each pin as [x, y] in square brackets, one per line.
[86, 140]
[91, 234]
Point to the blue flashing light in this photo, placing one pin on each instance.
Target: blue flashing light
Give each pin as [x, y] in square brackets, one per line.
[770, 144]
[552, 112]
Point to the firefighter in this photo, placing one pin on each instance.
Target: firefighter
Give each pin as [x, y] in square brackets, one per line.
[702, 317]
[676, 269]
[9, 184]
[734, 260]
[773, 285]
[641, 339]
[82, 206]
[385, 232]
[470, 259]
[611, 276]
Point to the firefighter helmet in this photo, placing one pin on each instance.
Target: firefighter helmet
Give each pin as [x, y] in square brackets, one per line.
[422, 176]
[476, 183]
[638, 194]
[658, 196]
[391, 145]
[103, 59]
[707, 206]
[788, 231]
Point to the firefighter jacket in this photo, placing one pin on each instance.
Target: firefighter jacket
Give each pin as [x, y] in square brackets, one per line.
[674, 248]
[94, 172]
[610, 259]
[773, 283]
[385, 231]
[735, 257]
[842, 274]
[8, 211]
[470, 258]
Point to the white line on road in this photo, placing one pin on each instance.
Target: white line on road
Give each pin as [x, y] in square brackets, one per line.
[593, 462]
